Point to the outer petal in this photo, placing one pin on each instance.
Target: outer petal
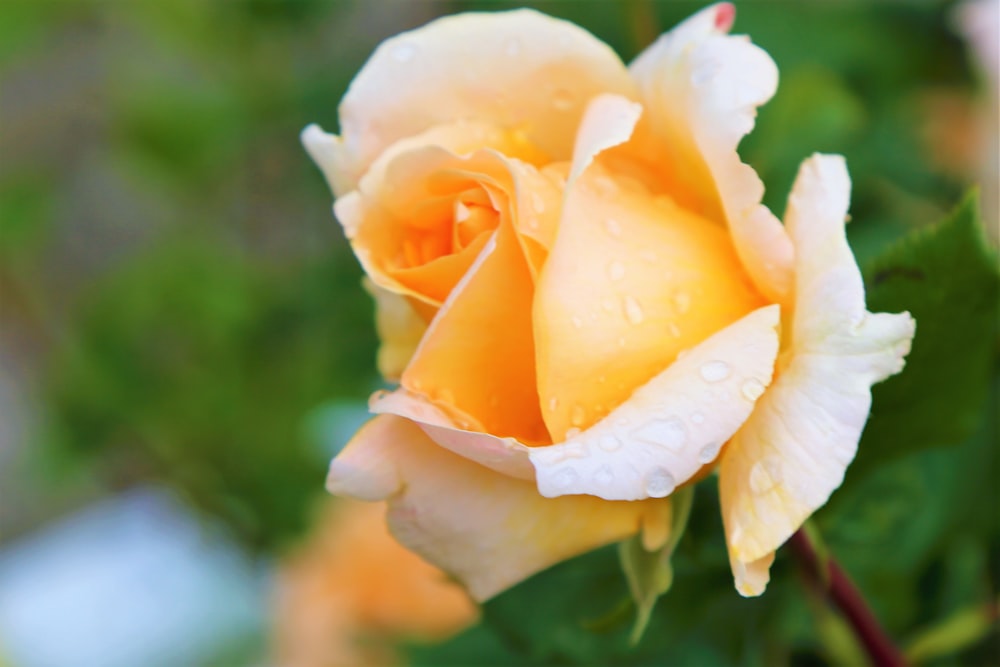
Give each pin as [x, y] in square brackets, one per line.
[701, 89]
[488, 530]
[399, 329]
[671, 426]
[793, 451]
[513, 69]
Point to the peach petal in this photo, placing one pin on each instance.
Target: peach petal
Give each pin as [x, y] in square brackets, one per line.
[488, 530]
[671, 426]
[631, 281]
[512, 69]
[504, 455]
[701, 89]
[793, 451]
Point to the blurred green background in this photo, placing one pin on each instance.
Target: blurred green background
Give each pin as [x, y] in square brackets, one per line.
[179, 309]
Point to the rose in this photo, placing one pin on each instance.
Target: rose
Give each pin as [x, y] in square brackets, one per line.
[584, 299]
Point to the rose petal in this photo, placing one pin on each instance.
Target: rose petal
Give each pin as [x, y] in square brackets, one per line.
[793, 451]
[504, 455]
[414, 185]
[631, 281]
[512, 69]
[701, 89]
[477, 359]
[399, 329]
[488, 530]
[671, 426]
[607, 122]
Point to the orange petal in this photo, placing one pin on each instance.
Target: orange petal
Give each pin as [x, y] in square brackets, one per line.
[631, 281]
[488, 530]
[477, 359]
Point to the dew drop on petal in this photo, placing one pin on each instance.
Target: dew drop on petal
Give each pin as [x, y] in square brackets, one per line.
[609, 443]
[604, 475]
[613, 227]
[708, 453]
[403, 52]
[616, 270]
[761, 480]
[633, 311]
[682, 302]
[715, 371]
[704, 73]
[572, 433]
[660, 483]
[578, 415]
[670, 433]
[565, 478]
[563, 100]
[537, 202]
[577, 322]
[752, 389]
[553, 403]
[675, 330]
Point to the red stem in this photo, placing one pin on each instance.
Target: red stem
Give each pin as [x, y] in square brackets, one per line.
[842, 592]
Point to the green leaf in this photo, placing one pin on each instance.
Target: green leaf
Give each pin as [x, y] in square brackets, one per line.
[946, 277]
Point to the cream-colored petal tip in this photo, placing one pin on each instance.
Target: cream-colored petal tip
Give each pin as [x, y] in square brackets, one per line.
[319, 144]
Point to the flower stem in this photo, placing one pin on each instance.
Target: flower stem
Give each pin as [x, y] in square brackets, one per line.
[826, 574]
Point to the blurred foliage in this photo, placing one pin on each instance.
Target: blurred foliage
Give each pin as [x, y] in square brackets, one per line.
[170, 268]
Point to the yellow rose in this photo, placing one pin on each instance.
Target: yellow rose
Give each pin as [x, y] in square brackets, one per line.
[584, 300]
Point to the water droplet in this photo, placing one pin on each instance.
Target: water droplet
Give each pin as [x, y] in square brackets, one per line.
[633, 311]
[609, 443]
[577, 322]
[704, 73]
[578, 415]
[682, 302]
[565, 478]
[537, 202]
[670, 433]
[761, 480]
[622, 422]
[553, 403]
[697, 418]
[563, 100]
[660, 483]
[708, 453]
[404, 53]
[752, 389]
[608, 305]
[446, 396]
[715, 371]
[675, 330]
[605, 186]
[616, 270]
[613, 227]
[572, 433]
[604, 475]
[512, 46]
